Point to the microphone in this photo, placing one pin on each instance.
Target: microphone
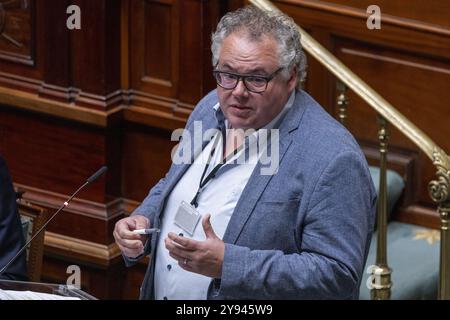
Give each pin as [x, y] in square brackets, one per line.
[91, 179]
[95, 176]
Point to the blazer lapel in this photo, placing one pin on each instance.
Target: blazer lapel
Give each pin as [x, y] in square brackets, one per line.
[208, 122]
[257, 183]
[252, 192]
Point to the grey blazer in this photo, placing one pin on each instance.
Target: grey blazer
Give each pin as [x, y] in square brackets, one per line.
[302, 233]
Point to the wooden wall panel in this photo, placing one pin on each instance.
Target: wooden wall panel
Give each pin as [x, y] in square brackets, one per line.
[95, 68]
[404, 79]
[154, 54]
[16, 27]
[146, 157]
[159, 49]
[51, 154]
[191, 38]
[321, 85]
[351, 23]
[91, 77]
[57, 78]
[21, 52]
[170, 68]
[50, 158]
[197, 20]
[407, 62]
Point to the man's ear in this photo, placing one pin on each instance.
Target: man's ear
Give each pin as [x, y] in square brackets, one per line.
[292, 82]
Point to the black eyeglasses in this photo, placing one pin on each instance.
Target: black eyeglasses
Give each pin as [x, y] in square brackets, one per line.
[253, 83]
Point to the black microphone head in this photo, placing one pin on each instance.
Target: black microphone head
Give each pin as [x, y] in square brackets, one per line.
[96, 175]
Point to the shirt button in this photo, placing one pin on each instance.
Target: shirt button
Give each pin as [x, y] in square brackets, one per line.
[169, 267]
[165, 298]
[180, 234]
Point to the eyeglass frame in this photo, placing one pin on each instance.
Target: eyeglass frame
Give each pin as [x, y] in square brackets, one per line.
[244, 77]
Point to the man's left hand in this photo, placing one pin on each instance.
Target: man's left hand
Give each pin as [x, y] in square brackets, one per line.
[203, 257]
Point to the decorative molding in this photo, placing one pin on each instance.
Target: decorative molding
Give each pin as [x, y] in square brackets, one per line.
[89, 249]
[26, 60]
[77, 206]
[157, 81]
[32, 102]
[153, 118]
[146, 109]
[140, 98]
[16, 81]
[63, 94]
[106, 102]
[157, 111]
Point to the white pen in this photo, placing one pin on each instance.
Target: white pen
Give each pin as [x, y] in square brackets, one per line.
[146, 231]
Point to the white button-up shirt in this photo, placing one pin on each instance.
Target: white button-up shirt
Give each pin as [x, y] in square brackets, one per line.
[219, 198]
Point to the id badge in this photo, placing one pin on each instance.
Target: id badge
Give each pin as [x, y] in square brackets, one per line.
[187, 218]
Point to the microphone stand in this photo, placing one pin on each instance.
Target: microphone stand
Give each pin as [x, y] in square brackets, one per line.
[94, 177]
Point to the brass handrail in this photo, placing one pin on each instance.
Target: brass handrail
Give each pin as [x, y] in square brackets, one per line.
[359, 87]
[439, 189]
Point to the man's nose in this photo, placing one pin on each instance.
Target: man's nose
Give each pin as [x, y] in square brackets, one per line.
[240, 89]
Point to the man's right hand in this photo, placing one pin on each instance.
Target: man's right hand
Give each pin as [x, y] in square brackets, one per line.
[131, 245]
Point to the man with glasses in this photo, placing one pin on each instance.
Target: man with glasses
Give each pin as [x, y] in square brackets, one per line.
[302, 232]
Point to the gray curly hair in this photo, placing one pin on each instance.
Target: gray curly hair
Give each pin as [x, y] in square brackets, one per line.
[257, 23]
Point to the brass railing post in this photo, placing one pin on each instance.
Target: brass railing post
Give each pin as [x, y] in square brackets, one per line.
[381, 275]
[440, 193]
[341, 101]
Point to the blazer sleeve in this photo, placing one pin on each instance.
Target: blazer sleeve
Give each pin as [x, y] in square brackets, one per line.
[334, 236]
[11, 236]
